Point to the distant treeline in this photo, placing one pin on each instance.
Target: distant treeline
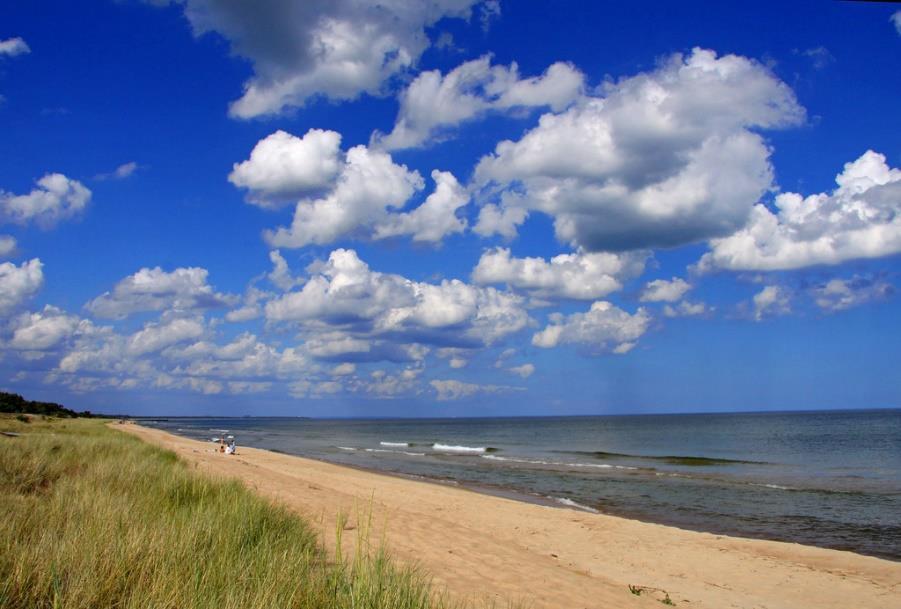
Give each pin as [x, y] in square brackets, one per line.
[13, 402]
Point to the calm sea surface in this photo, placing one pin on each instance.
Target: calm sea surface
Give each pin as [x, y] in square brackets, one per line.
[831, 479]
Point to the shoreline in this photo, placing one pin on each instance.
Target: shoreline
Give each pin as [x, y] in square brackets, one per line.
[479, 545]
[712, 527]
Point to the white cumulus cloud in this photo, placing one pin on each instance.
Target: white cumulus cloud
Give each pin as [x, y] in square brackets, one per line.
[661, 159]
[861, 218]
[283, 167]
[435, 218]
[685, 308]
[603, 327]
[433, 103]
[19, 283]
[503, 220]
[345, 294]
[365, 200]
[580, 275]
[334, 48]
[43, 329]
[661, 290]
[157, 336]
[56, 198]
[183, 289]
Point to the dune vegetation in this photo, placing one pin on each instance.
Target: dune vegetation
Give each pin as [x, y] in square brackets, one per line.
[96, 518]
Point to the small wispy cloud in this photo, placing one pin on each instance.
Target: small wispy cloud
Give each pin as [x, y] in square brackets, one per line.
[13, 46]
[119, 173]
[840, 294]
[820, 56]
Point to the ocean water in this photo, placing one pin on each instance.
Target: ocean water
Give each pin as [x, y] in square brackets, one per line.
[831, 479]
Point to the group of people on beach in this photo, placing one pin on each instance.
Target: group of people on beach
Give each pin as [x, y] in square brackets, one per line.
[227, 445]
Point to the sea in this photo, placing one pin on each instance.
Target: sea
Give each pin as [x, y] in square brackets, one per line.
[829, 479]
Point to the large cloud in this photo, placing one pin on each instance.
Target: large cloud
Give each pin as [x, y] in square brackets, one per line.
[364, 200]
[662, 159]
[19, 283]
[344, 316]
[174, 353]
[580, 275]
[335, 48]
[102, 350]
[343, 293]
[183, 289]
[860, 219]
[56, 198]
[603, 327]
[433, 102]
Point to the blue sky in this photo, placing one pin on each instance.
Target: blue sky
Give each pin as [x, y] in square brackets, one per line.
[467, 207]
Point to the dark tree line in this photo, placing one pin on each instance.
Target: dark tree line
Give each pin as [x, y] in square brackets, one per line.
[15, 403]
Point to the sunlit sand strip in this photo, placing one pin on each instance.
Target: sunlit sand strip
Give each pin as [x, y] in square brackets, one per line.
[481, 546]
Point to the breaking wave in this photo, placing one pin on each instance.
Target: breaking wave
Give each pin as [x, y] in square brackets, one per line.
[450, 448]
[558, 463]
[574, 504]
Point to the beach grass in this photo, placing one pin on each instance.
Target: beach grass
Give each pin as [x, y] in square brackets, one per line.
[92, 517]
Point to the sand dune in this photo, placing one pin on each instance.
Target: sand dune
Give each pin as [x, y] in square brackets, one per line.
[483, 547]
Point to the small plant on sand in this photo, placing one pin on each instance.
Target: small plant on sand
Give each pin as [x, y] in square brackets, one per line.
[637, 590]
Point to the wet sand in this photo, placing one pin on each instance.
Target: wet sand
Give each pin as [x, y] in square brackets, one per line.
[481, 547]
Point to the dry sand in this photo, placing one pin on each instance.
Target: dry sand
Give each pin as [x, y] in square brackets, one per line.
[483, 547]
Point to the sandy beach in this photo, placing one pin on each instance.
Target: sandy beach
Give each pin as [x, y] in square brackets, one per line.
[481, 547]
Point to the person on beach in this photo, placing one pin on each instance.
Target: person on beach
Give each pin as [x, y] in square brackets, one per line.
[230, 449]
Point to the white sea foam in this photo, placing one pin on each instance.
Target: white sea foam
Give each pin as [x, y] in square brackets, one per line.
[512, 460]
[394, 452]
[574, 504]
[556, 463]
[601, 465]
[448, 448]
[346, 447]
[775, 486]
[394, 444]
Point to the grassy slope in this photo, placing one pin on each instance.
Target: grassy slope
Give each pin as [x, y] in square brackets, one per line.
[95, 518]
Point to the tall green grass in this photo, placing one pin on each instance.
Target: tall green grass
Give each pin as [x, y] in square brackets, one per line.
[91, 517]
